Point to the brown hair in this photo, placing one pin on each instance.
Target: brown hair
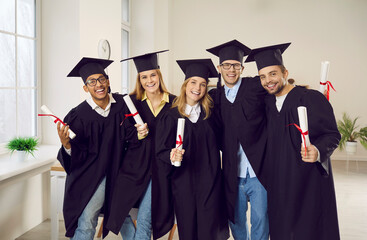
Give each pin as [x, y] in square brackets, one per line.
[139, 90]
[180, 102]
[282, 68]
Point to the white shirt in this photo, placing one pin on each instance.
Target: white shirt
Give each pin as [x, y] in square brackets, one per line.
[279, 102]
[193, 112]
[99, 110]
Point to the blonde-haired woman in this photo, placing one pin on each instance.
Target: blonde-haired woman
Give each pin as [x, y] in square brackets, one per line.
[134, 182]
[195, 193]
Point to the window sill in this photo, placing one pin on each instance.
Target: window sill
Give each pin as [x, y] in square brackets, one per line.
[11, 169]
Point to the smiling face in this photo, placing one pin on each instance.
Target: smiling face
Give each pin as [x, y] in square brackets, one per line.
[230, 76]
[273, 79]
[195, 90]
[149, 80]
[99, 92]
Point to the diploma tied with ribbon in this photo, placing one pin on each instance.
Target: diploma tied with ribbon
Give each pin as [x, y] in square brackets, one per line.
[324, 83]
[133, 110]
[179, 137]
[47, 112]
[324, 74]
[303, 125]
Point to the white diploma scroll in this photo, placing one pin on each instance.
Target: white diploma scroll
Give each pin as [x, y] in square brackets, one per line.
[179, 137]
[46, 110]
[324, 75]
[133, 110]
[303, 124]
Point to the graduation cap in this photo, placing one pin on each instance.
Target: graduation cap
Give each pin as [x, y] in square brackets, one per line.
[268, 56]
[198, 67]
[146, 62]
[232, 50]
[89, 66]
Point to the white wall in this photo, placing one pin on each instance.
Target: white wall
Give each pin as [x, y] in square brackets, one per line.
[71, 30]
[60, 52]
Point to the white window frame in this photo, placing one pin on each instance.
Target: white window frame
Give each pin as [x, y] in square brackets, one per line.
[37, 38]
[125, 26]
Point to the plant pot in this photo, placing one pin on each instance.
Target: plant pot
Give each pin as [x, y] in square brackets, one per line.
[351, 147]
[21, 156]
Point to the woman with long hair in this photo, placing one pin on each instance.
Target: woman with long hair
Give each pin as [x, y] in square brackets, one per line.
[195, 193]
[134, 182]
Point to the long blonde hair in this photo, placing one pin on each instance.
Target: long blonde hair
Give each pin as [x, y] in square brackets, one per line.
[180, 102]
[139, 90]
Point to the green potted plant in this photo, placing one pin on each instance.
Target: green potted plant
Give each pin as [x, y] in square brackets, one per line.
[23, 146]
[350, 134]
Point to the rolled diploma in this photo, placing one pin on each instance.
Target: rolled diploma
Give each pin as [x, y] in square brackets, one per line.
[303, 124]
[324, 75]
[133, 110]
[180, 131]
[48, 111]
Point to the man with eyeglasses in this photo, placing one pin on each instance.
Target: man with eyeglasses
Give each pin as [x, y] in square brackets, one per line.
[92, 158]
[239, 105]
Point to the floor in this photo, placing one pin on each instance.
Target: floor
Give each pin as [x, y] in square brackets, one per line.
[351, 193]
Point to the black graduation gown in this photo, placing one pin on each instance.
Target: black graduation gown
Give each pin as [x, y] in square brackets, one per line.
[135, 171]
[195, 190]
[244, 122]
[96, 153]
[301, 196]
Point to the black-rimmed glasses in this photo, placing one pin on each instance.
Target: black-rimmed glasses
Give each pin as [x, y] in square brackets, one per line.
[227, 66]
[92, 82]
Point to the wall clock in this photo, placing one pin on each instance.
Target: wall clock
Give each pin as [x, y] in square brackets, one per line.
[104, 49]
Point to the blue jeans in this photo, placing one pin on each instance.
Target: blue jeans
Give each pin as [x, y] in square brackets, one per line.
[252, 190]
[143, 228]
[88, 220]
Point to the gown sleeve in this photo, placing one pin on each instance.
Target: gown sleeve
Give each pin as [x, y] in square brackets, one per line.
[165, 137]
[323, 130]
[162, 197]
[63, 157]
[80, 145]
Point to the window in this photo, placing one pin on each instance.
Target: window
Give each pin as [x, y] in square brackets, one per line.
[125, 45]
[18, 69]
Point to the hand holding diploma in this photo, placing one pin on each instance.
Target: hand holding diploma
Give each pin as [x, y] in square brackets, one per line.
[47, 112]
[177, 153]
[303, 128]
[63, 132]
[311, 155]
[133, 111]
[176, 156]
[142, 129]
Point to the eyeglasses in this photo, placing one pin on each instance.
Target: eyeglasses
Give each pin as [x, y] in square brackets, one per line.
[227, 66]
[92, 82]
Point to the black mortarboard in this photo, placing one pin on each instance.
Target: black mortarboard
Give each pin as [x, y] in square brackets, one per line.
[232, 50]
[198, 67]
[89, 66]
[146, 62]
[268, 56]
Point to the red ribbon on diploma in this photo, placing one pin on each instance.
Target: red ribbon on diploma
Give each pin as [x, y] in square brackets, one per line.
[180, 142]
[328, 88]
[56, 118]
[303, 136]
[128, 115]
